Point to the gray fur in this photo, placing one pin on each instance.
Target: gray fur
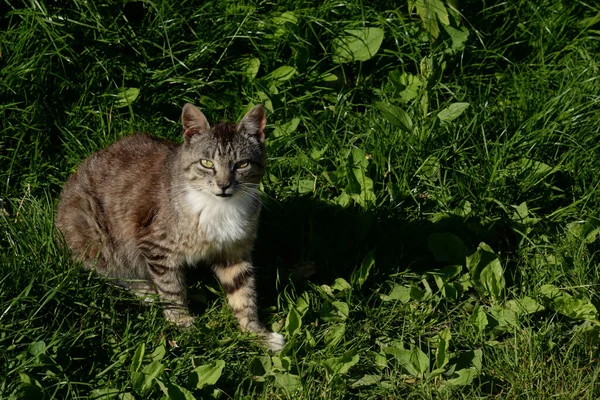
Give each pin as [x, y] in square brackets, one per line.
[141, 209]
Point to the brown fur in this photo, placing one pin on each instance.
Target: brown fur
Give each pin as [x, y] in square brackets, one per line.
[141, 209]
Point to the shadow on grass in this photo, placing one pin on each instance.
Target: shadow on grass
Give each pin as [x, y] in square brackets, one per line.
[336, 240]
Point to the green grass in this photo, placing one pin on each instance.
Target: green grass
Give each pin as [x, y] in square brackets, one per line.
[388, 199]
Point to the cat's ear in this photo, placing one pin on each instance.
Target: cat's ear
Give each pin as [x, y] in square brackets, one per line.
[193, 121]
[254, 122]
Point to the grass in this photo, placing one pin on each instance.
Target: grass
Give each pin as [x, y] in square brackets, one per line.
[445, 190]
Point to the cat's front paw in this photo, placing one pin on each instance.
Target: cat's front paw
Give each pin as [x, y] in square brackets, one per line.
[180, 318]
[275, 342]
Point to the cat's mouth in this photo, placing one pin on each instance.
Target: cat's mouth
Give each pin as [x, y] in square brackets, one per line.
[224, 194]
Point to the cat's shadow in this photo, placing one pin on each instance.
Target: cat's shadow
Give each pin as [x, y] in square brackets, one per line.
[305, 240]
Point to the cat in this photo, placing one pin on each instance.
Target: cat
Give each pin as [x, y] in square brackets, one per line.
[142, 209]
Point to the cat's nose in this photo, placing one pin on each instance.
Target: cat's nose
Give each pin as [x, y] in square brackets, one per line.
[224, 186]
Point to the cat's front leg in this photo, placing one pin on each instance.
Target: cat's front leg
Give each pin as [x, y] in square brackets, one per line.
[238, 282]
[170, 286]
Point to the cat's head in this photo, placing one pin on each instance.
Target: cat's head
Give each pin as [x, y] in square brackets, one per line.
[227, 159]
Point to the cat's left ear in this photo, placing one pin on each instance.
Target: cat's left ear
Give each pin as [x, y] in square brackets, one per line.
[254, 123]
[193, 121]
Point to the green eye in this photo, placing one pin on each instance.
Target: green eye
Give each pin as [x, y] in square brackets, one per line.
[207, 163]
[243, 164]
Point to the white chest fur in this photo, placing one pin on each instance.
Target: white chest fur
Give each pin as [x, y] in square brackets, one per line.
[223, 221]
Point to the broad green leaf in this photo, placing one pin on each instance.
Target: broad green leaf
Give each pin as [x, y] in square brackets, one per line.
[478, 260]
[478, 319]
[359, 277]
[503, 318]
[251, 68]
[337, 310]
[430, 12]
[335, 334]
[459, 37]
[28, 380]
[286, 129]
[328, 77]
[463, 377]
[316, 154]
[126, 97]
[286, 17]
[451, 271]
[37, 348]
[471, 358]
[430, 169]
[406, 85]
[380, 361]
[282, 74]
[463, 208]
[341, 285]
[207, 374]
[521, 212]
[293, 322]
[578, 308]
[452, 112]
[281, 364]
[403, 357]
[136, 361]
[174, 391]
[537, 168]
[144, 380]
[492, 278]
[158, 353]
[327, 290]
[366, 380]
[358, 45]
[447, 289]
[419, 360]
[524, 306]
[357, 159]
[397, 193]
[588, 231]
[360, 186]
[341, 365]
[261, 366]
[486, 271]
[303, 304]
[398, 292]
[137, 381]
[447, 247]
[343, 200]
[265, 99]
[342, 308]
[441, 354]
[395, 115]
[103, 394]
[289, 382]
[306, 186]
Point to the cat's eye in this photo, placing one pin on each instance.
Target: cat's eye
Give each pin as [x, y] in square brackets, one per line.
[243, 164]
[207, 163]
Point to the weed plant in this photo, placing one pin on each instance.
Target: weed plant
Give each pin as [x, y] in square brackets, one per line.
[432, 200]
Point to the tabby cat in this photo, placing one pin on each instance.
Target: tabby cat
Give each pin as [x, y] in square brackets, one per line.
[142, 209]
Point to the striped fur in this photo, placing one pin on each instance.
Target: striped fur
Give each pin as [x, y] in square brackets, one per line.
[142, 209]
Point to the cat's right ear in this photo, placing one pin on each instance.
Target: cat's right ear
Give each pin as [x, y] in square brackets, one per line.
[254, 122]
[193, 121]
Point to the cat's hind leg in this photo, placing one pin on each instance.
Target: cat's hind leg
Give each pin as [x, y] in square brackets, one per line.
[168, 281]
